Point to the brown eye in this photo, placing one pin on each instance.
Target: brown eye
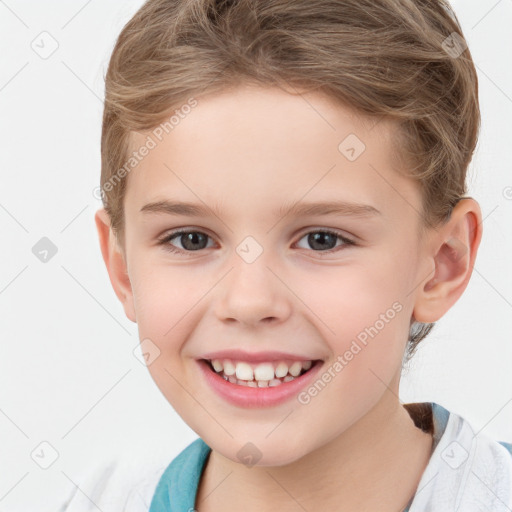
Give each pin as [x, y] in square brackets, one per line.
[190, 241]
[325, 240]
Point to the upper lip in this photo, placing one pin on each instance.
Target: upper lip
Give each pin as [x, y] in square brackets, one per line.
[255, 357]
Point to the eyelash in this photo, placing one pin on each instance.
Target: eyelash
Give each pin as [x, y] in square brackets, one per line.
[164, 241]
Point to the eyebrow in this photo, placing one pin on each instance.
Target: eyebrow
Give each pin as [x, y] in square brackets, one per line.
[297, 209]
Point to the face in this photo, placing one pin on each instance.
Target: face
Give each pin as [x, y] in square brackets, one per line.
[333, 285]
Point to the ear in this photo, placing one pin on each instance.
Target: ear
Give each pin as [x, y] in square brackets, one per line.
[451, 257]
[115, 262]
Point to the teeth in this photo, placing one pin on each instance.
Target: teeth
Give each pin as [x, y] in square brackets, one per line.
[244, 371]
[281, 370]
[217, 366]
[307, 365]
[264, 371]
[229, 367]
[261, 374]
[295, 368]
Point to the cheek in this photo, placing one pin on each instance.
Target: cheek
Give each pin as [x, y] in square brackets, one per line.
[349, 299]
[364, 320]
[166, 302]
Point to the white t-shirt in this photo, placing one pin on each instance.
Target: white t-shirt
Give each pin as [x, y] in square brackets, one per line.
[467, 472]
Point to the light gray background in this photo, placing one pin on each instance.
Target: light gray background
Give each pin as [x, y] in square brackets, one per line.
[68, 374]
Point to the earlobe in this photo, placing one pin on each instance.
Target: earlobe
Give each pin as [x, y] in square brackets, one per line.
[115, 263]
[453, 256]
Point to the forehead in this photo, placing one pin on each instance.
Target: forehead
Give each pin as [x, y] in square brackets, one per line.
[258, 148]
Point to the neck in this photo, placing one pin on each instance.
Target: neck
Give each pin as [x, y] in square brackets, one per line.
[376, 464]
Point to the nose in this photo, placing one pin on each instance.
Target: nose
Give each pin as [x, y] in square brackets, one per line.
[253, 294]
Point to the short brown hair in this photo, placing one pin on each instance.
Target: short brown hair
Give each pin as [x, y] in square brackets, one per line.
[385, 58]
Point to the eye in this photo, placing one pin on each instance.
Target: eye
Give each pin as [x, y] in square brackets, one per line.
[190, 241]
[324, 240]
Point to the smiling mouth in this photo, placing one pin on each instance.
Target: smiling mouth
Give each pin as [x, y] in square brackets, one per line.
[261, 375]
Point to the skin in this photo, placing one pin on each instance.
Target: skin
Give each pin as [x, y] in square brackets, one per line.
[353, 447]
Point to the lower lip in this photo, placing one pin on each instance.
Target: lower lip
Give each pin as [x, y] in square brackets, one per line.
[249, 397]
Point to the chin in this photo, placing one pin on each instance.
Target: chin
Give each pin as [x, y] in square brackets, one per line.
[264, 454]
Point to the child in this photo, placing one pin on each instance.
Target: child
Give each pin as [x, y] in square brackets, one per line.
[264, 130]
